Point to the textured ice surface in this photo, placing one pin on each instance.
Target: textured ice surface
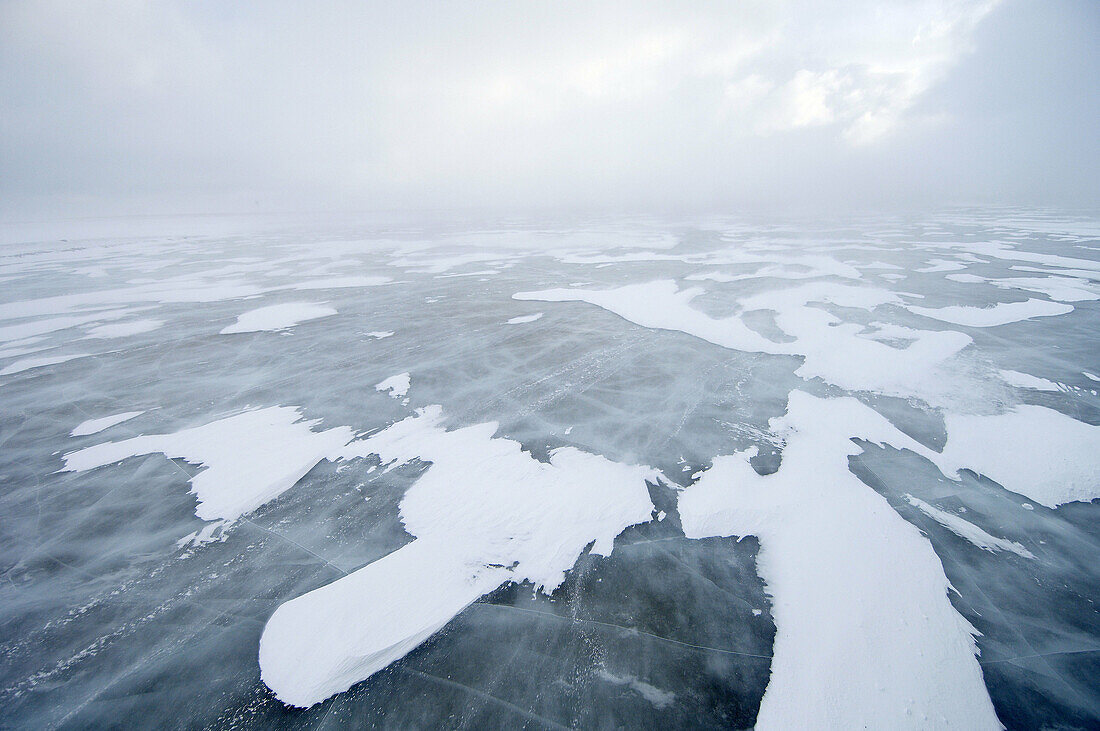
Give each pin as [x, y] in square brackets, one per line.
[495, 560]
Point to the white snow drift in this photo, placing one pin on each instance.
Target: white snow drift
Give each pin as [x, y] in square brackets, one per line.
[865, 634]
[251, 458]
[484, 513]
[278, 317]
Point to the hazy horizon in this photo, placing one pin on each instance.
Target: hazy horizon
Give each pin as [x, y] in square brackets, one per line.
[147, 108]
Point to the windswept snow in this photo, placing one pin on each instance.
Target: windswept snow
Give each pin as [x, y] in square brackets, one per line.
[27, 364]
[250, 458]
[123, 329]
[1002, 313]
[859, 643]
[484, 513]
[835, 351]
[340, 282]
[1034, 451]
[672, 345]
[94, 426]
[398, 385]
[278, 317]
[663, 306]
[523, 318]
[1026, 380]
[968, 531]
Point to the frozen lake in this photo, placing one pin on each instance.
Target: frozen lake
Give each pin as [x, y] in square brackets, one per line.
[618, 472]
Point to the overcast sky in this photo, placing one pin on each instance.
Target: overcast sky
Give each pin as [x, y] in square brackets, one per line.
[168, 106]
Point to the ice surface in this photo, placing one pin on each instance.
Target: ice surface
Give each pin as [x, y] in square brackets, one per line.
[251, 458]
[278, 317]
[484, 513]
[496, 560]
[340, 282]
[94, 426]
[838, 352]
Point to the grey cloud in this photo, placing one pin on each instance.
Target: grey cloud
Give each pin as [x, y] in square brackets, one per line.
[165, 105]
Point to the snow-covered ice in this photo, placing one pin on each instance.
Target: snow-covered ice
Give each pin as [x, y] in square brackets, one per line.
[484, 513]
[858, 642]
[397, 386]
[1001, 313]
[94, 426]
[1035, 451]
[250, 458]
[520, 319]
[968, 531]
[278, 317]
[123, 329]
[755, 473]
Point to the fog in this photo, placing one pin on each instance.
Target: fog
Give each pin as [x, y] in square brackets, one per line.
[134, 107]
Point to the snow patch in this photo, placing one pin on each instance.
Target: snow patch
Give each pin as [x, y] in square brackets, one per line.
[94, 426]
[523, 318]
[1026, 380]
[398, 385]
[123, 329]
[968, 531]
[1034, 451]
[27, 364]
[1002, 313]
[485, 512]
[278, 317]
[858, 644]
[251, 458]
